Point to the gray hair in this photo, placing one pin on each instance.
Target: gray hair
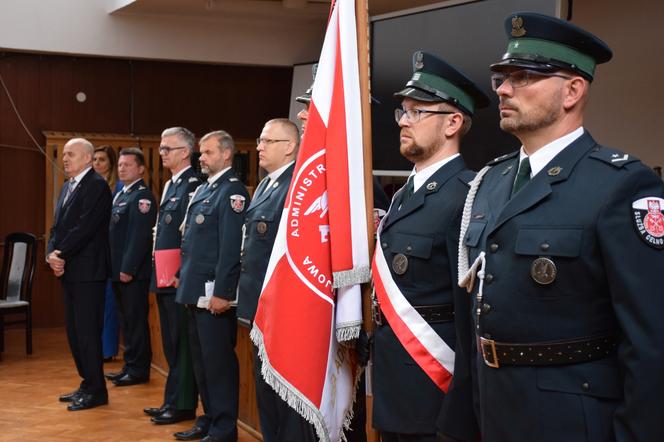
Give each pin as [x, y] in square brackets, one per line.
[187, 136]
[89, 148]
[224, 139]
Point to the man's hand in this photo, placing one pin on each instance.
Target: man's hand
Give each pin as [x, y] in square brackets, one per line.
[175, 282]
[125, 277]
[218, 305]
[56, 263]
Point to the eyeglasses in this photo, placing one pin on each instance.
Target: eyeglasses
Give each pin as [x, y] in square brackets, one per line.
[267, 141]
[414, 115]
[521, 78]
[166, 149]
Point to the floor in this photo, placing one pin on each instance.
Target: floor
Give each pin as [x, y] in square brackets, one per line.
[30, 386]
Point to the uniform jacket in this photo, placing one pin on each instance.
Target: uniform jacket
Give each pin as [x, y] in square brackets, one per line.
[577, 212]
[426, 231]
[80, 230]
[212, 239]
[260, 230]
[130, 232]
[171, 215]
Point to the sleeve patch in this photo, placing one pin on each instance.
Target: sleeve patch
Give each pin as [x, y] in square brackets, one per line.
[649, 220]
[237, 203]
[144, 205]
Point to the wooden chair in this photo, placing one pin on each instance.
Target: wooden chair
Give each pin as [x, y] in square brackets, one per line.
[18, 269]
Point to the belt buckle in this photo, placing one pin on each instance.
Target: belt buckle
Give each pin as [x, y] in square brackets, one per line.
[488, 347]
[375, 311]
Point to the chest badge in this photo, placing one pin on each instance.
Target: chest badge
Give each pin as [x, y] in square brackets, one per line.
[168, 218]
[400, 263]
[649, 220]
[543, 271]
[200, 218]
[261, 227]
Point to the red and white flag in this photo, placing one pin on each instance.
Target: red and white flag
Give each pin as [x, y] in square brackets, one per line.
[310, 303]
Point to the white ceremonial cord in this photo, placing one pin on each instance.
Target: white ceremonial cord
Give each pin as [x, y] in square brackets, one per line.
[466, 273]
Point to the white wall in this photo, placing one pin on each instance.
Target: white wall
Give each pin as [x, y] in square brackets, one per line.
[626, 109]
[85, 27]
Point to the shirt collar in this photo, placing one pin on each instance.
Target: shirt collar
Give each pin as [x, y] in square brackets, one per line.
[125, 188]
[174, 178]
[274, 175]
[80, 176]
[421, 176]
[545, 154]
[216, 176]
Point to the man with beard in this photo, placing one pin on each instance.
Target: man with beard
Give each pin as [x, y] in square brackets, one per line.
[210, 256]
[416, 267]
[564, 238]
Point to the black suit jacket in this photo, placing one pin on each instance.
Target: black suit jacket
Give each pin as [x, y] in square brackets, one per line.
[130, 232]
[260, 230]
[578, 213]
[212, 240]
[80, 230]
[171, 215]
[425, 230]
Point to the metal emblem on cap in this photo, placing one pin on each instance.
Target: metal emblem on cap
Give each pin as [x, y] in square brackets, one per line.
[543, 271]
[200, 218]
[261, 227]
[555, 170]
[432, 185]
[419, 60]
[517, 27]
[168, 218]
[400, 263]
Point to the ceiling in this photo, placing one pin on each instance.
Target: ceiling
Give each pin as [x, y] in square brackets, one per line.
[285, 10]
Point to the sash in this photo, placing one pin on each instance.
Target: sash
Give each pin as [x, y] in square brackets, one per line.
[417, 336]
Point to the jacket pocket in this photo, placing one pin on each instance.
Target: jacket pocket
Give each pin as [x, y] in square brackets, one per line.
[549, 241]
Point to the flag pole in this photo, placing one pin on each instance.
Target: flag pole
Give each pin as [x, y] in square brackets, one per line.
[362, 25]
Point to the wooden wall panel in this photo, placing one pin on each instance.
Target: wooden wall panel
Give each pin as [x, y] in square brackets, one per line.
[123, 96]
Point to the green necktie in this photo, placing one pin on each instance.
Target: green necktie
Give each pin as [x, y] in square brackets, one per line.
[522, 176]
[408, 191]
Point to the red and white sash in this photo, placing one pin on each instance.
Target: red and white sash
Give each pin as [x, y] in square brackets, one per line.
[419, 339]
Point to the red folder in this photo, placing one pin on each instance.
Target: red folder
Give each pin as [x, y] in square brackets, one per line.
[166, 264]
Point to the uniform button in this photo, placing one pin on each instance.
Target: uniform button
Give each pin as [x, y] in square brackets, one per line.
[493, 247]
[409, 248]
[545, 246]
[486, 308]
[243, 268]
[585, 386]
[384, 245]
[488, 278]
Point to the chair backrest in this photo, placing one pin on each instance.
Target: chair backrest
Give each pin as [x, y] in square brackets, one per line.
[18, 267]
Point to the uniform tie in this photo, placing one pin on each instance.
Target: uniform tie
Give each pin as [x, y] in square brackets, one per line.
[522, 176]
[408, 191]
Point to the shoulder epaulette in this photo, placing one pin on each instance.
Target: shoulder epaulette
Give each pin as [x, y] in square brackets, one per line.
[502, 158]
[614, 157]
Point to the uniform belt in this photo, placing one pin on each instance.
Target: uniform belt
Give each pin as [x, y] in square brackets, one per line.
[572, 351]
[433, 314]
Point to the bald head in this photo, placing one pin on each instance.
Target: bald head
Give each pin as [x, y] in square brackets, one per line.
[77, 156]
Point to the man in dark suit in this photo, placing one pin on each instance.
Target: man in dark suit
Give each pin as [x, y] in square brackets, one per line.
[566, 240]
[277, 150]
[416, 266]
[210, 256]
[180, 395]
[78, 253]
[132, 217]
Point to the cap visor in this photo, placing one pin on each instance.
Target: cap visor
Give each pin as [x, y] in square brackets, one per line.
[518, 63]
[416, 94]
